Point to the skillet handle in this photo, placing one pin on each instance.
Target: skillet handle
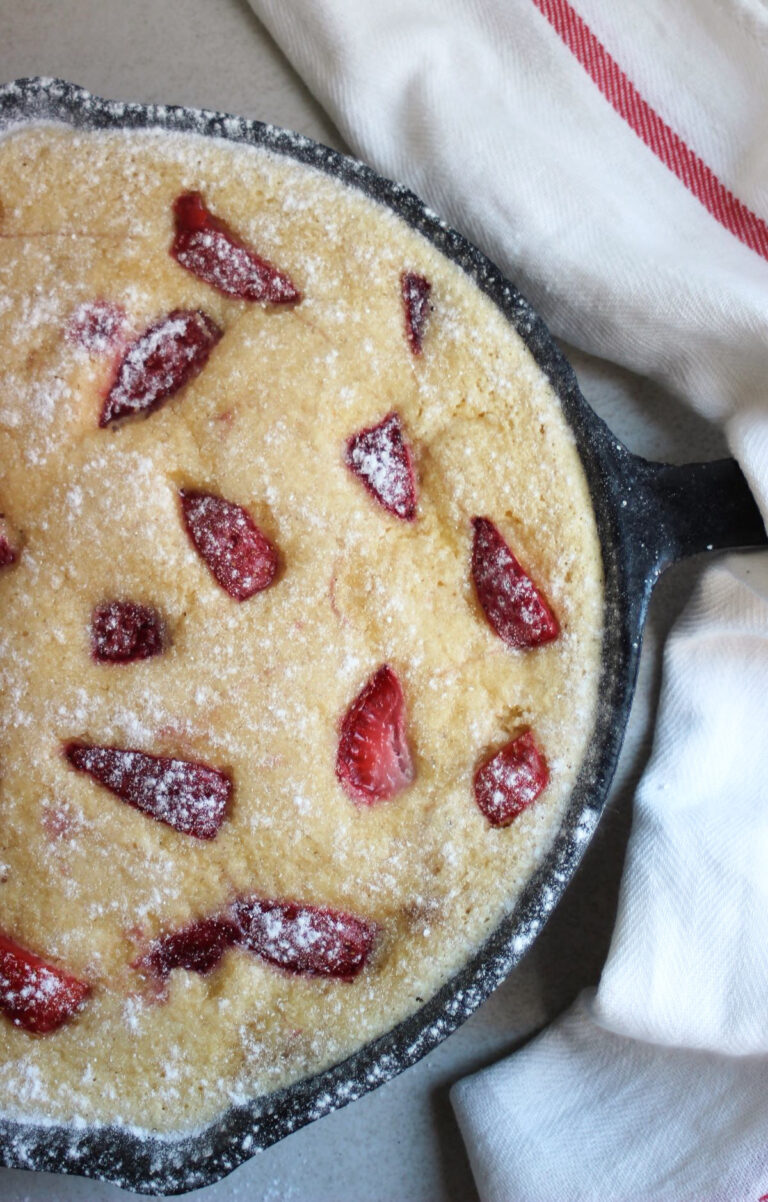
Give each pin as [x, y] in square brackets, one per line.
[697, 507]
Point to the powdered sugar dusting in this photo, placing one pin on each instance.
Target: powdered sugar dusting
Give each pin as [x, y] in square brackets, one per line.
[96, 326]
[305, 939]
[8, 552]
[190, 797]
[239, 556]
[511, 780]
[260, 688]
[380, 456]
[160, 362]
[123, 631]
[514, 606]
[205, 247]
[415, 289]
[34, 995]
[232, 269]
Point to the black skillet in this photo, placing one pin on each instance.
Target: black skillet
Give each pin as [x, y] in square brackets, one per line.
[649, 515]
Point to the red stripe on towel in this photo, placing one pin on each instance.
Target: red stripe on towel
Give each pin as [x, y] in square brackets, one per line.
[619, 90]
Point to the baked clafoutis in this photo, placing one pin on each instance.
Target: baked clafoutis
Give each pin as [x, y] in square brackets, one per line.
[300, 623]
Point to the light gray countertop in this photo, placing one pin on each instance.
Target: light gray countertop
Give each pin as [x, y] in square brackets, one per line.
[401, 1142]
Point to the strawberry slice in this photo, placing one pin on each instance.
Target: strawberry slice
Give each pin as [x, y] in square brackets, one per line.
[35, 995]
[511, 780]
[159, 362]
[516, 609]
[190, 797]
[314, 940]
[208, 248]
[381, 458]
[374, 762]
[123, 631]
[415, 291]
[97, 326]
[239, 557]
[197, 947]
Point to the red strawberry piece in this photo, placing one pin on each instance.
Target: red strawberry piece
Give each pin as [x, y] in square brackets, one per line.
[208, 248]
[35, 995]
[159, 362]
[511, 780]
[415, 290]
[314, 940]
[8, 552]
[122, 631]
[239, 557]
[97, 326]
[190, 797]
[374, 762]
[517, 610]
[382, 459]
[197, 947]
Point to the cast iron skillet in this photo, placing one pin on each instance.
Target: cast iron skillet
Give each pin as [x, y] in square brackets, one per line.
[649, 515]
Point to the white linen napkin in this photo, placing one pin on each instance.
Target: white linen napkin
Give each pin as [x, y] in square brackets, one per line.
[612, 159]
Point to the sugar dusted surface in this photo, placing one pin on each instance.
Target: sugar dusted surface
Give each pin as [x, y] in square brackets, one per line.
[511, 601]
[381, 458]
[511, 780]
[160, 362]
[260, 686]
[190, 797]
[230, 544]
[96, 326]
[230, 268]
[310, 939]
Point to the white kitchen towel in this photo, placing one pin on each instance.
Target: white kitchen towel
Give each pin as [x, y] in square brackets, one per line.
[656, 1090]
[612, 158]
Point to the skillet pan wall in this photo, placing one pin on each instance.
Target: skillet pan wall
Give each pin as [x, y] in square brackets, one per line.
[648, 515]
